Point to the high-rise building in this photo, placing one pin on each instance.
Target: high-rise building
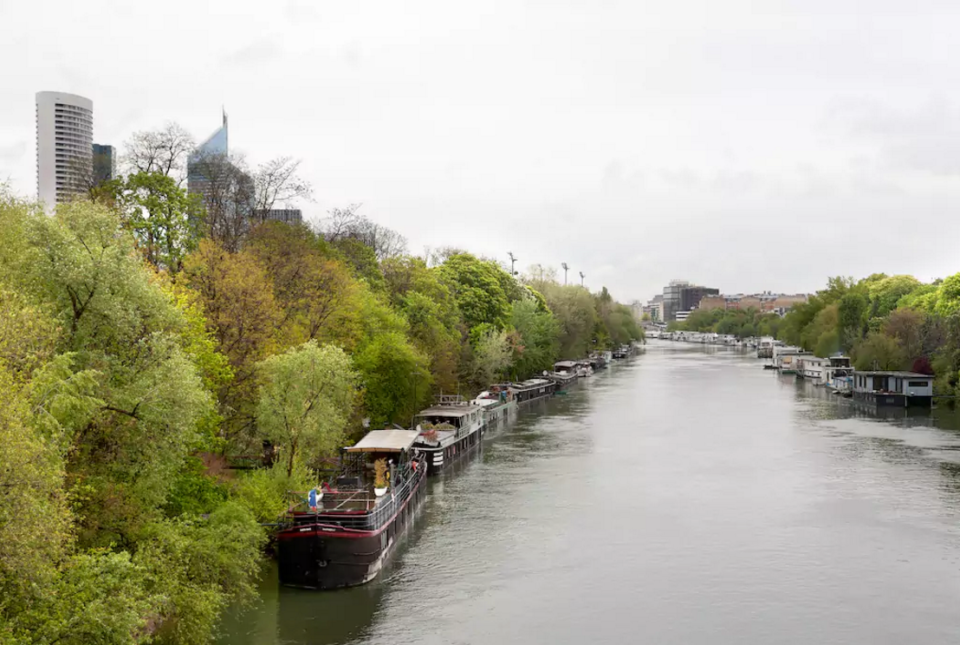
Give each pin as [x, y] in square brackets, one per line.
[671, 299]
[104, 163]
[690, 296]
[215, 149]
[64, 146]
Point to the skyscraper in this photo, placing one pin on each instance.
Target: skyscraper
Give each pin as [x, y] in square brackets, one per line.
[64, 146]
[206, 161]
[104, 163]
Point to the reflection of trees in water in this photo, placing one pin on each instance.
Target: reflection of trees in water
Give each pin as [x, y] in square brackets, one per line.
[950, 474]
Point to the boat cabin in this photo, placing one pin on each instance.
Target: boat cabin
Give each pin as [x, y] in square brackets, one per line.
[565, 366]
[530, 389]
[810, 367]
[893, 389]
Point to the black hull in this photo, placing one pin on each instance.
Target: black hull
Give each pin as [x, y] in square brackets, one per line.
[326, 557]
[439, 459]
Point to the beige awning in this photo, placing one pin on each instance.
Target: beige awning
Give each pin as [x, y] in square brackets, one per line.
[385, 441]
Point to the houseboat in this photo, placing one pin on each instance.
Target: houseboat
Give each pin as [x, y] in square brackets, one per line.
[448, 431]
[893, 389]
[810, 368]
[532, 389]
[584, 369]
[341, 534]
[785, 359]
[564, 375]
[765, 347]
[497, 404]
[838, 374]
[624, 351]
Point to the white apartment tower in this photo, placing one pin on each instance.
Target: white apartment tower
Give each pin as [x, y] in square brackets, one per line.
[64, 146]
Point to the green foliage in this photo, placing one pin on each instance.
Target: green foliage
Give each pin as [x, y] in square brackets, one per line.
[265, 492]
[99, 597]
[197, 567]
[481, 288]
[878, 352]
[539, 337]
[194, 492]
[396, 378]
[306, 398]
[164, 218]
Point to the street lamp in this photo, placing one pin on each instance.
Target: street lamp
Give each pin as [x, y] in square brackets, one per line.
[565, 267]
[581, 278]
[513, 260]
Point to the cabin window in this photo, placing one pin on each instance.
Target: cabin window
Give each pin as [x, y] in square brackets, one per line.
[916, 384]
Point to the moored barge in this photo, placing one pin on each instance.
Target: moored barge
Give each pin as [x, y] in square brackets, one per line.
[497, 404]
[531, 389]
[448, 431]
[348, 534]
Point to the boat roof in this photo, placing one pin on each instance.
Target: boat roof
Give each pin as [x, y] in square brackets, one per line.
[565, 364]
[449, 411]
[533, 382]
[900, 374]
[385, 441]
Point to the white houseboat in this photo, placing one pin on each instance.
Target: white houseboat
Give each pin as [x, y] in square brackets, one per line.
[893, 389]
[810, 368]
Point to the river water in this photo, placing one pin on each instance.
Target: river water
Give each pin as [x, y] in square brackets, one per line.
[686, 496]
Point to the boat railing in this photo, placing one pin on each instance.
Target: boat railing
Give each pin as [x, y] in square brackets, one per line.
[360, 509]
[451, 399]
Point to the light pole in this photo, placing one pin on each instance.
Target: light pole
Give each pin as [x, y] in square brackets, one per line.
[513, 261]
[565, 267]
[581, 278]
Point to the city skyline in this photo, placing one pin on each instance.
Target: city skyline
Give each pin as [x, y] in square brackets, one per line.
[622, 143]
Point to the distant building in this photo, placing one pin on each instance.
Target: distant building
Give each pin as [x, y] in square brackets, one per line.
[681, 316]
[64, 146]
[214, 149]
[288, 215]
[654, 308]
[691, 296]
[765, 302]
[104, 163]
[680, 295]
[671, 299]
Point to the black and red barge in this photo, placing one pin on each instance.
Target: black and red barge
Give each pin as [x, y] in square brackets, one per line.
[345, 539]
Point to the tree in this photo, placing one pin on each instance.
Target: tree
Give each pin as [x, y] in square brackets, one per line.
[277, 181]
[306, 399]
[395, 375]
[539, 338]
[315, 294]
[241, 312]
[577, 314]
[478, 289]
[878, 352]
[165, 219]
[906, 327]
[229, 197]
[851, 320]
[348, 223]
[163, 151]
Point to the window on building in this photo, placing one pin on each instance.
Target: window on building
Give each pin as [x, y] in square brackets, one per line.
[917, 384]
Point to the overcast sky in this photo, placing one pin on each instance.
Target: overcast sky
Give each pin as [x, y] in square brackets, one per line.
[745, 145]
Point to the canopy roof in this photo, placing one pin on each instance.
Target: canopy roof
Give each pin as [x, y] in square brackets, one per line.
[385, 441]
[448, 411]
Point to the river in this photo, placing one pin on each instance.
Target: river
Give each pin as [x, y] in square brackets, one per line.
[686, 496]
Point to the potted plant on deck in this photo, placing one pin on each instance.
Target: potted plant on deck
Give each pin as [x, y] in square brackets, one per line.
[381, 479]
